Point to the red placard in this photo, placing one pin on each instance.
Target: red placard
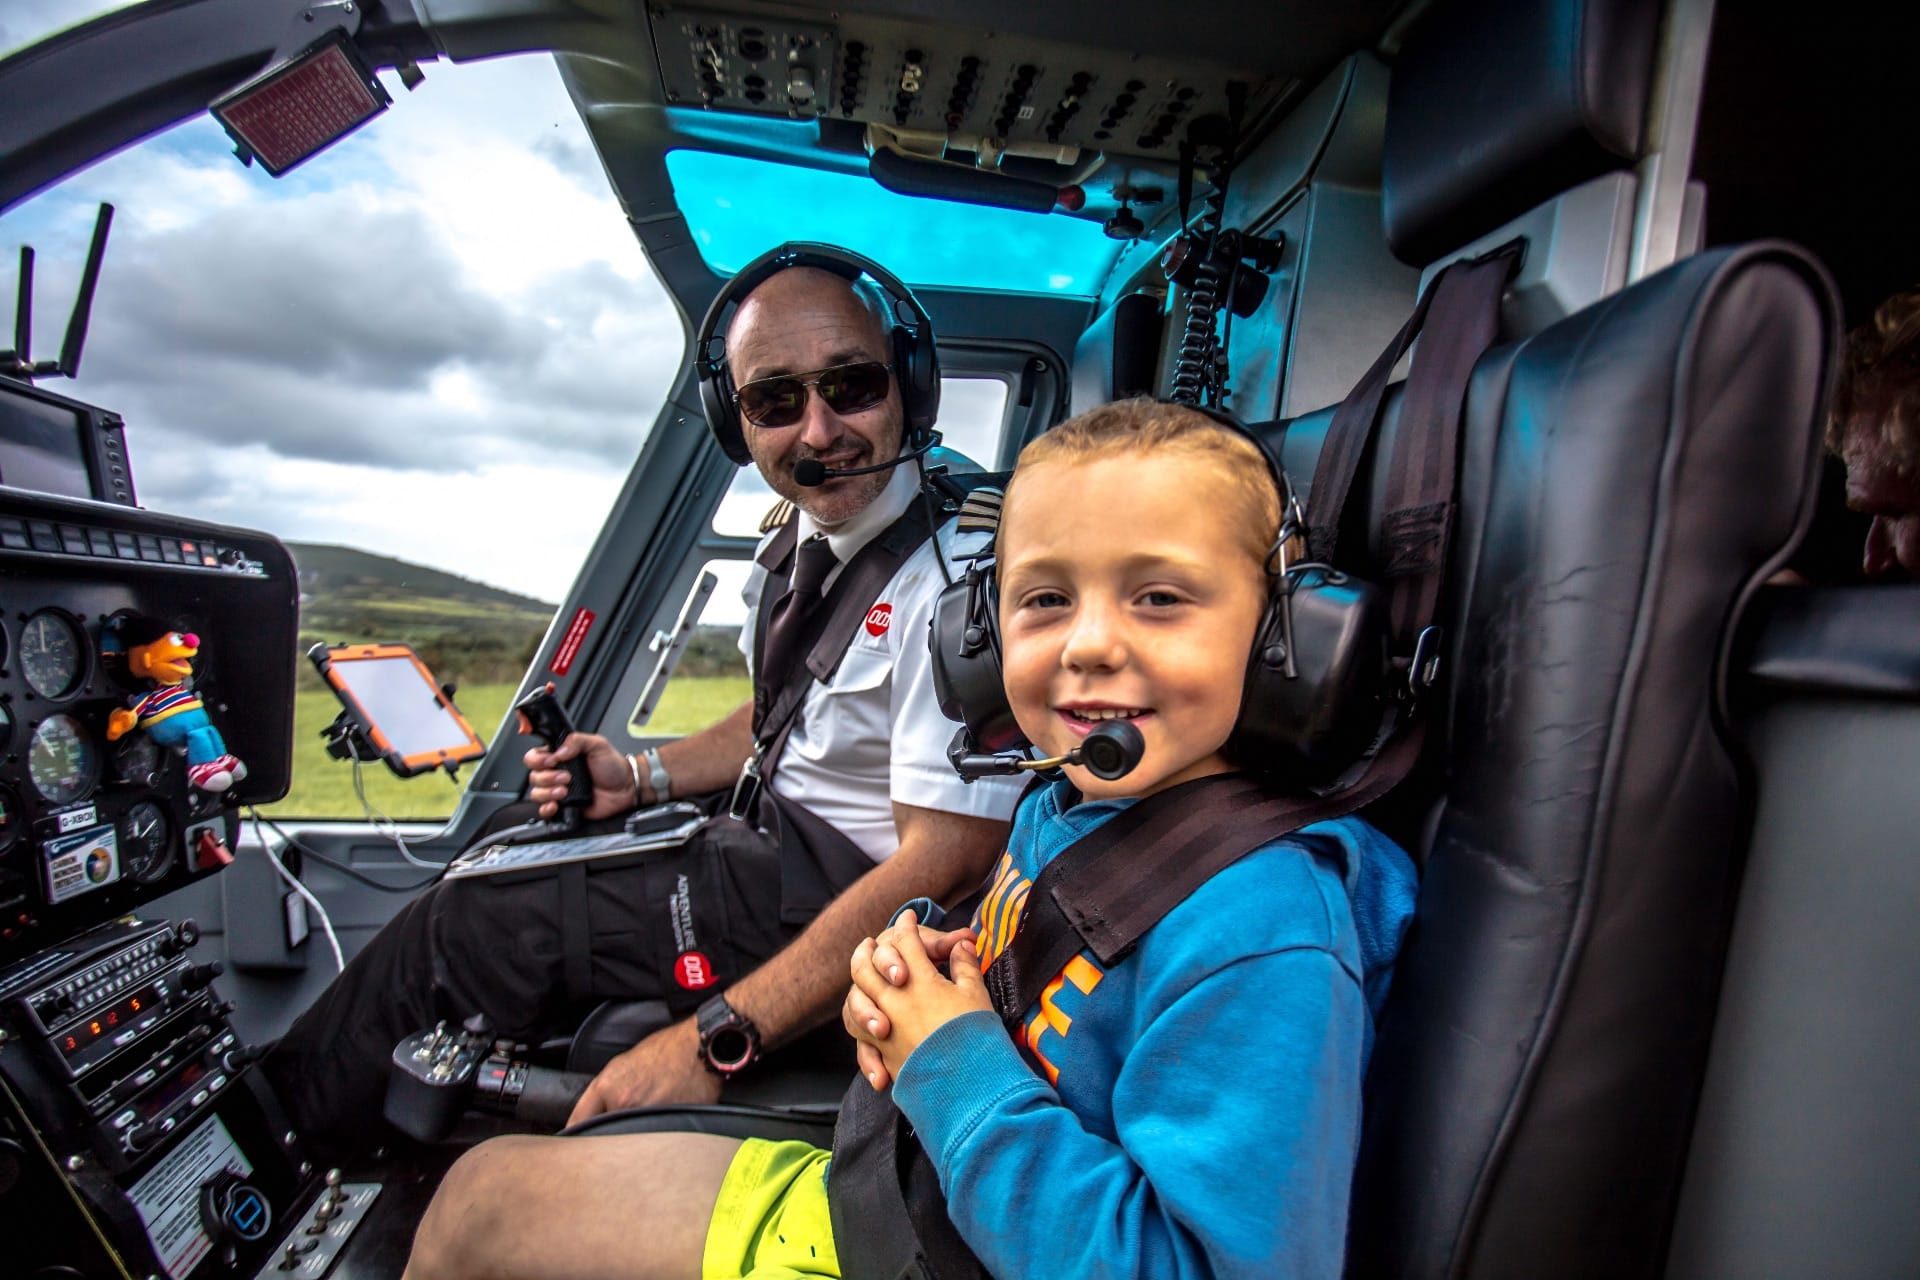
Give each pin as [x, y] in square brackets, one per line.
[570, 643]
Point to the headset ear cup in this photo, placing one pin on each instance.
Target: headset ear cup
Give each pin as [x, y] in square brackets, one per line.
[917, 367]
[967, 679]
[1312, 725]
[723, 415]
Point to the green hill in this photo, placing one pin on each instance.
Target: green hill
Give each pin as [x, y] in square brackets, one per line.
[465, 631]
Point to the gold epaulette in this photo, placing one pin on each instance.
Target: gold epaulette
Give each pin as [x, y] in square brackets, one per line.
[980, 513]
[781, 512]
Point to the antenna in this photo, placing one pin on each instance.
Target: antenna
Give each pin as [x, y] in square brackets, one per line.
[83, 303]
[19, 362]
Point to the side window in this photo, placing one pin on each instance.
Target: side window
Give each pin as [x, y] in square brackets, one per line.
[973, 417]
[425, 359]
[711, 677]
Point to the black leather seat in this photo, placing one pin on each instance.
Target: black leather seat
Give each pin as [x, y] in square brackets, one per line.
[1629, 477]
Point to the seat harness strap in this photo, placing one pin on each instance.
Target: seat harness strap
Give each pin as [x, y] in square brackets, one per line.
[828, 633]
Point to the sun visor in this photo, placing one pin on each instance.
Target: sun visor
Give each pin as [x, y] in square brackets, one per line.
[1497, 105]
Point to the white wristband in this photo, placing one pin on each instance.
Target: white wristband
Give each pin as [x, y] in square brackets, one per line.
[657, 777]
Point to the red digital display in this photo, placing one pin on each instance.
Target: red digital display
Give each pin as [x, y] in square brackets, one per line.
[105, 1023]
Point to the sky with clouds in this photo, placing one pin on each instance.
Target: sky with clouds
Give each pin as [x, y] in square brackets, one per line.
[390, 347]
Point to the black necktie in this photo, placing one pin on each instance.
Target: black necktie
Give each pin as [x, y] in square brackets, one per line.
[811, 565]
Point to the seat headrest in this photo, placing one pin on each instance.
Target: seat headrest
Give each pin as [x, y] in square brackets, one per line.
[1119, 354]
[1497, 105]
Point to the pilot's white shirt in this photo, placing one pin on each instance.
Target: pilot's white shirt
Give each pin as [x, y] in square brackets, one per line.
[875, 735]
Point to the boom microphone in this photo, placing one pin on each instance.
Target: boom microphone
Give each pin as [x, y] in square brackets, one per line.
[811, 473]
[1109, 752]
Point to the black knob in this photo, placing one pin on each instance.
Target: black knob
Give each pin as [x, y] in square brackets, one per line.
[142, 1136]
[199, 975]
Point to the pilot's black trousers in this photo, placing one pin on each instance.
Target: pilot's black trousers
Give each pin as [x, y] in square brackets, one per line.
[501, 946]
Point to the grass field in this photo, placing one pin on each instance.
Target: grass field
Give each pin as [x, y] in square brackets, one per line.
[323, 787]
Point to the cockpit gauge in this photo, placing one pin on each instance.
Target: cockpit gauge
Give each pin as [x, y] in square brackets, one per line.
[136, 760]
[53, 654]
[146, 842]
[10, 818]
[6, 725]
[62, 762]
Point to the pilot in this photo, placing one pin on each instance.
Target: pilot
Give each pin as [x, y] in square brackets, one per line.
[1875, 429]
[820, 371]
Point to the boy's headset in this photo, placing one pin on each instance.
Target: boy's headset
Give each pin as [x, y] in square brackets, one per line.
[916, 361]
[1315, 677]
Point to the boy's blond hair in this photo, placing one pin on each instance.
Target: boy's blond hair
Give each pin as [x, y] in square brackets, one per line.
[1157, 428]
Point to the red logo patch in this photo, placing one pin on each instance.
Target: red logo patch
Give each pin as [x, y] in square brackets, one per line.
[879, 618]
[693, 971]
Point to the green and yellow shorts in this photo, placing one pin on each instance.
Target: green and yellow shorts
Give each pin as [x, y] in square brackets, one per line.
[770, 1221]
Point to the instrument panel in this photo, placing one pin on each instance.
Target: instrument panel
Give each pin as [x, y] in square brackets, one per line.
[95, 817]
[942, 78]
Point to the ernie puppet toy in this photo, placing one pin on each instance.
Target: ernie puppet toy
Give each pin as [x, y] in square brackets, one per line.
[171, 712]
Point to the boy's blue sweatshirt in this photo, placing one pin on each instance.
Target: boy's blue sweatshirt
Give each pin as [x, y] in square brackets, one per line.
[1195, 1110]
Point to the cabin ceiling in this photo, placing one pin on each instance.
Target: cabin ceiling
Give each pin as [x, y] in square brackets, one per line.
[1120, 78]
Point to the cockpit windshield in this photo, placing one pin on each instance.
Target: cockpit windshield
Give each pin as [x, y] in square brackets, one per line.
[737, 208]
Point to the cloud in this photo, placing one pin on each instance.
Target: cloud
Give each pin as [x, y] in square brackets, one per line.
[416, 326]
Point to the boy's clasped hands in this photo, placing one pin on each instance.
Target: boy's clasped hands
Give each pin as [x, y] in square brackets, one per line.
[900, 996]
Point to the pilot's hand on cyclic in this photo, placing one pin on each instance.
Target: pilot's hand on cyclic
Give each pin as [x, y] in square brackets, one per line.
[665, 1069]
[612, 778]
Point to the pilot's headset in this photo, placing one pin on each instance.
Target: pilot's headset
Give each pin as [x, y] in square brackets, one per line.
[915, 360]
[1315, 678]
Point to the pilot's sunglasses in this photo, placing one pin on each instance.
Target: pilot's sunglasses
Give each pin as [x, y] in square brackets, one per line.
[782, 401]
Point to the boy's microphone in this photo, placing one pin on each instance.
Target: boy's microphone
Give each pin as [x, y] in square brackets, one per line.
[1109, 752]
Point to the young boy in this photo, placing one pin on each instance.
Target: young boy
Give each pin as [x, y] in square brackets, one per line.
[1195, 1110]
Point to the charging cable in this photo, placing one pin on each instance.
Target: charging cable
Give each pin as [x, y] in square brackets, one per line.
[293, 881]
[386, 826]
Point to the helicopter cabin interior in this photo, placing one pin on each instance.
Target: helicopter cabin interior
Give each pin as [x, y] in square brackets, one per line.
[1656, 1015]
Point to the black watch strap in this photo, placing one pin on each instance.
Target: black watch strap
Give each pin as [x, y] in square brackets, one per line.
[729, 1042]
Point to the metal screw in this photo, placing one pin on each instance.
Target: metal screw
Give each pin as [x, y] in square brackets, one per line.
[289, 1138]
[76, 1163]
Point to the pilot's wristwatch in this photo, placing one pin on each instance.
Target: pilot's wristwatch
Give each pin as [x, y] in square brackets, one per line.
[729, 1042]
